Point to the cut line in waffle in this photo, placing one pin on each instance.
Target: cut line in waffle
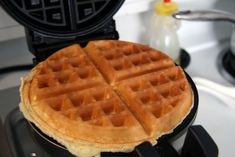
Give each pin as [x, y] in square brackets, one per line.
[122, 60]
[155, 96]
[70, 86]
[100, 108]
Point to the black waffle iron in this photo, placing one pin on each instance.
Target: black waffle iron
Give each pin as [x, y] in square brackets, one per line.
[53, 24]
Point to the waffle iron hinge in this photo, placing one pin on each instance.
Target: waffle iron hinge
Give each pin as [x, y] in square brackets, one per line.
[42, 46]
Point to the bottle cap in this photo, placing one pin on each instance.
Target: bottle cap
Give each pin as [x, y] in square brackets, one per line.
[166, 7]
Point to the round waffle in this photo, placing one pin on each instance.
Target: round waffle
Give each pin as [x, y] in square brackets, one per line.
[108, 97]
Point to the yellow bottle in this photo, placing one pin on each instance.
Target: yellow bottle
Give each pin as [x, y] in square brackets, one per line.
[163, 31]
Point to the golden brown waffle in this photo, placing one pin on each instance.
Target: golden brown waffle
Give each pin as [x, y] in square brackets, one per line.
[110, 96]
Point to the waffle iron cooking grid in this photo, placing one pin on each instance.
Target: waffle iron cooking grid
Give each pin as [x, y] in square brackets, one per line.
[62, 17]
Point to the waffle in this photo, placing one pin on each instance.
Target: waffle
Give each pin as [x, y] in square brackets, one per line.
[108, 97]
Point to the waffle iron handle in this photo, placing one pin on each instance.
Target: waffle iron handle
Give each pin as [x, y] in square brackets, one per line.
[145, 150]
[198, 143]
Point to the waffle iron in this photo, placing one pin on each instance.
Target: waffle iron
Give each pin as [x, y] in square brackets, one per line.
[53, 24]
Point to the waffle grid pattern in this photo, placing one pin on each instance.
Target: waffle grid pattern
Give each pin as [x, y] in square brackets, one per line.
[63, 17]
[157, 93]
[60, 67]
[100, 108]
[118, 61]
[55, 11]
